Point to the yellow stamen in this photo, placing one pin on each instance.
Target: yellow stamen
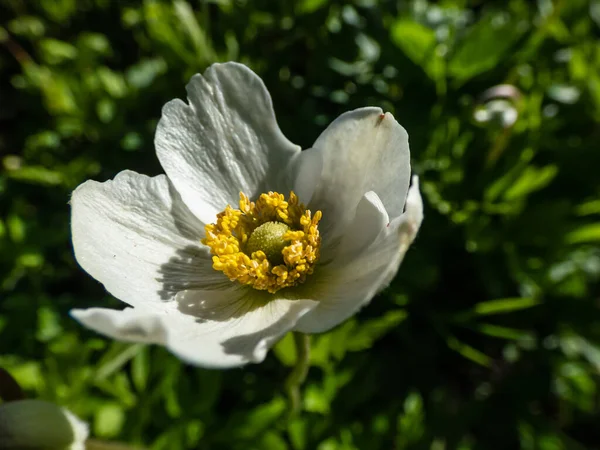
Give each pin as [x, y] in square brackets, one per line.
[269, 245]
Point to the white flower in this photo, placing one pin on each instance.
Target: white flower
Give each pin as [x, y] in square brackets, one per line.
[149, 240]
[36, 424]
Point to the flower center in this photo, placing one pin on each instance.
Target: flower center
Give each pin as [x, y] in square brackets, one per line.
[269, 245]
[270, 238]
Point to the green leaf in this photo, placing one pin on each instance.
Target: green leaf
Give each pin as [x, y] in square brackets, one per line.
[315, 400]
[504, 305]
[119, 355]
[585, 234]
[500, 332]
[27, 26]
[503, 183]
[411, 424]
[166, 28]
[309, 6]
[483, 47]
[119, 388]
[532, 179]
[36, 175]
[588, 208]
[29, 374]
[419, 44]
[298, 433]
[253, 423]
[16, 228]
[95, 42]
[140, 369]
[204, 50]
[272, 441]
[48, 324]
[469, 352]
[113, 82]
[108, 420]
[285, 350]
[55, 51]
[364, 336]
[57, 89]
[142, 74]
[106, 110]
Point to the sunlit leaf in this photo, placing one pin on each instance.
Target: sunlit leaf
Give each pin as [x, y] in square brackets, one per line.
[309, 6]
[55, 51]
[108, 420]
[419, 44]
[500, 332]
[483, 46]
[505, 305]
[468, 352]
[411, 423]
[185, 13]
[285, 350]
[140, 368]
[532, 179]
[586, 233]
[119, 355]
[37, 175]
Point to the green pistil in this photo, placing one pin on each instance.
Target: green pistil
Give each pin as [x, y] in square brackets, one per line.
[269, 238]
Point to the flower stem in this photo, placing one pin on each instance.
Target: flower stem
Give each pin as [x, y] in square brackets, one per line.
[296, 378]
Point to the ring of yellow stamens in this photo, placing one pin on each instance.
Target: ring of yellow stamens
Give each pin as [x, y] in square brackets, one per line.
[269, 244]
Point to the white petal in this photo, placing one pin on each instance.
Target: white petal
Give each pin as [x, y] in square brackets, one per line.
[307, 169]
[363, 150]
[352, 280]
[80, 430]
[211, 329]
[226, 140]
[369, 222]
[136, 236]
[413, 212]
[129, 325]
[409, 224]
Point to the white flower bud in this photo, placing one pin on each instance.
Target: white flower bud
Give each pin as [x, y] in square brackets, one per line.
[40, 425]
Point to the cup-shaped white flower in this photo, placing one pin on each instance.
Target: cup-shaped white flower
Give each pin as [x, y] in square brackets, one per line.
[246, 237]
[40, 425]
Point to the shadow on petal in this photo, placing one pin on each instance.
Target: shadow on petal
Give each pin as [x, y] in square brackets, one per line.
[223, 305]
[248, 322]
[188, 225]
[150, 331]
[189, 268]
[258, 343]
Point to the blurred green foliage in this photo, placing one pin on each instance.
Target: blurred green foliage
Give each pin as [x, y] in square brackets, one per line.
[488, 338]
